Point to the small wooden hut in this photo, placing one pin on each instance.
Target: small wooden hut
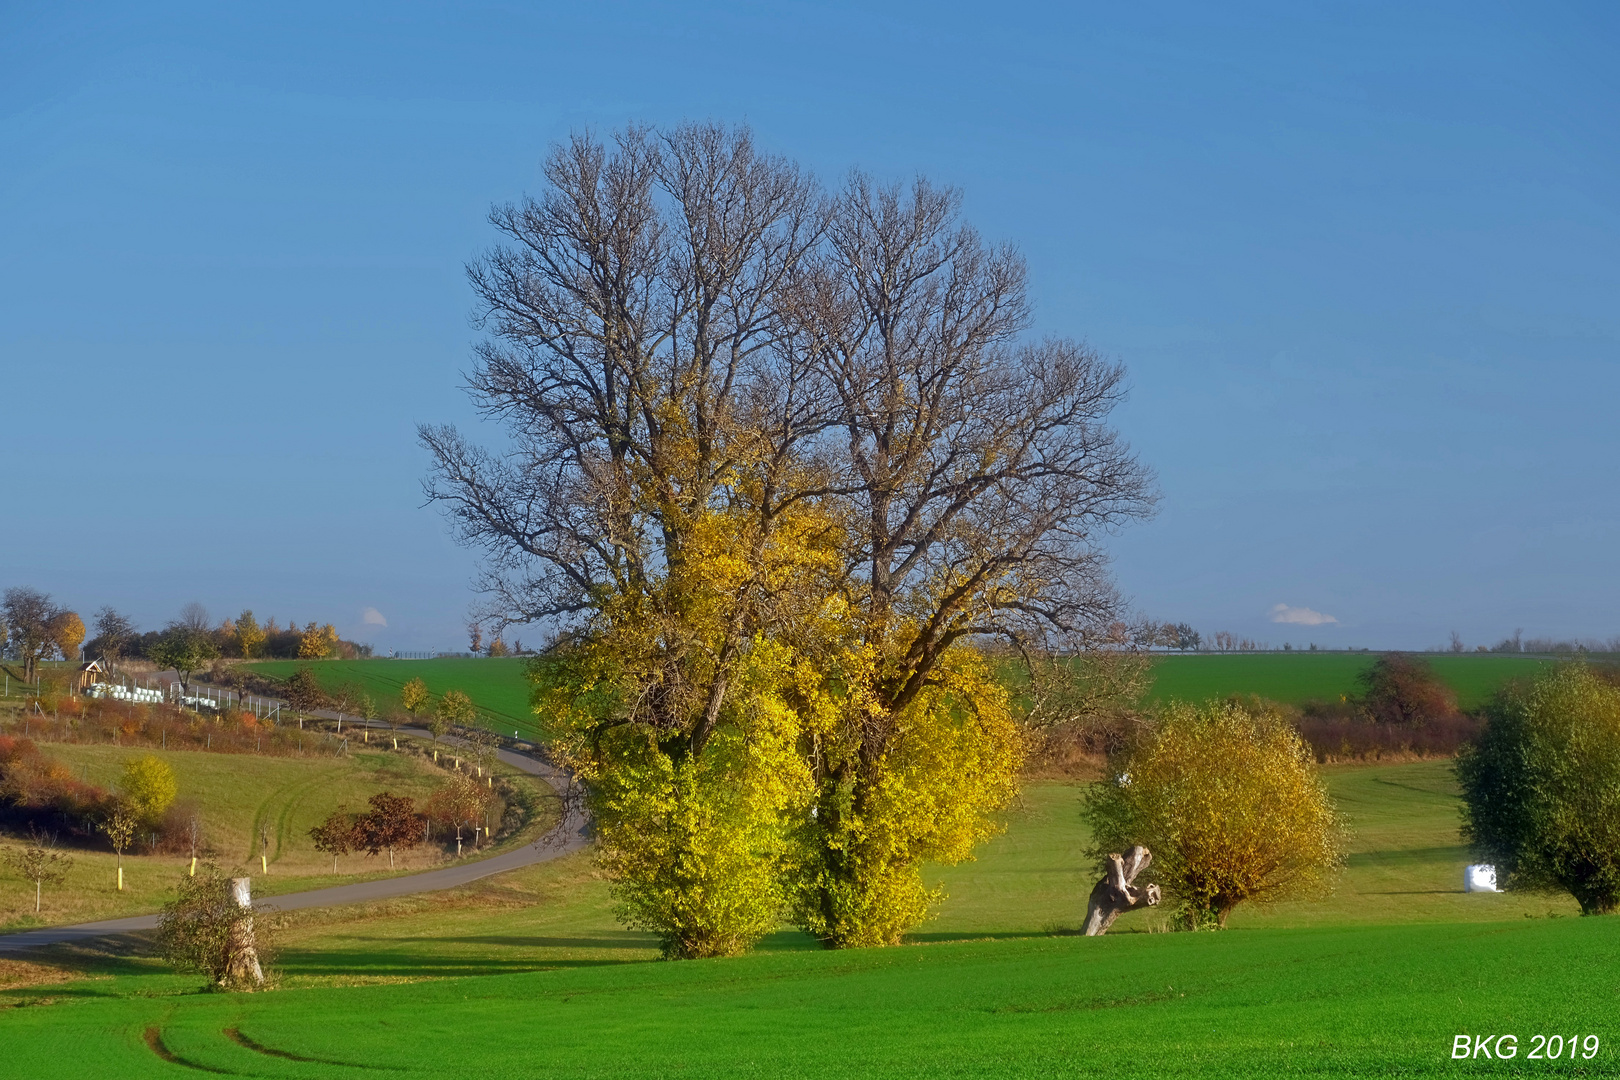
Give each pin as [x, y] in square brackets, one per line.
[90, 674]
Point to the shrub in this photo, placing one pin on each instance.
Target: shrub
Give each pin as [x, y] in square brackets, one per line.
[1336, 736]
[204, 930]
[37, 790]
[148, 788]
[1403, 691]
[1229, 801]
[1541, 788]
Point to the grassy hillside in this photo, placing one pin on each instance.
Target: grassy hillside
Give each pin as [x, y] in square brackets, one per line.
[1406, 864]
[237, 794]
[497, 686]
[529, 974]
[1374, 1001]
[1301, 676]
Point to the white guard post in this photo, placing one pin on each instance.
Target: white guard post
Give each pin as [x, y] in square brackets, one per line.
[1480, 878]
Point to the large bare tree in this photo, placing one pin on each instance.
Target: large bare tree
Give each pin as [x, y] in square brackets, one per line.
[735, 406]
[639, 361]
[986, 473]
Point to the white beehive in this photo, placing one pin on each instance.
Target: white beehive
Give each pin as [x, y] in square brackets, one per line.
[1480, 878]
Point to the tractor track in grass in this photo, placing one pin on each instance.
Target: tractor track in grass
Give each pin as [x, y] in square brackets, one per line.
[235, 1035]
[280, 804]
[571, 834]
[154, 1042]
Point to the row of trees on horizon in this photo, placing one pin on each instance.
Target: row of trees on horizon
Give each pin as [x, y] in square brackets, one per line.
[34, 628]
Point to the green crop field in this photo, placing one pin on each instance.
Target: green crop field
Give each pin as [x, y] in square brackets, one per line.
[496, 686]
[236, 795]
[529, 975]
[1374, 1001]
[499, 689]
[1296, 677]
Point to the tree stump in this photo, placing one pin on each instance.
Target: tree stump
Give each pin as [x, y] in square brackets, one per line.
[1114, 894]
[242, 965]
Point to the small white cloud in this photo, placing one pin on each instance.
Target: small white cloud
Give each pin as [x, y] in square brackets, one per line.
[372, 617]
[1300, 616]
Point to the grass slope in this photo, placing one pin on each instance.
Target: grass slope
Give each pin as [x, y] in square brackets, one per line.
[496, 686]
[1405, 864]
[1301, 676]
[237, 794]
[529, 975]
[1374, 1001]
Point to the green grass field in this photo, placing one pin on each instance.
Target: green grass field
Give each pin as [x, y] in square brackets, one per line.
[529, 975]
[496, 686]
[500, 691]
[236, 795]
[1296, 677]
[1375, 1001]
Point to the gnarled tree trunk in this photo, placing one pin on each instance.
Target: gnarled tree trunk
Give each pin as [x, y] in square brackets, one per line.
[242, 967]
[1115, 894]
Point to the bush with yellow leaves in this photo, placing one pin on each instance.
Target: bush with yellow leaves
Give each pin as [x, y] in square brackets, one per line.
[1229, 801]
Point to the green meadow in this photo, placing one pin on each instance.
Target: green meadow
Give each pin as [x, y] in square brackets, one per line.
[240, 798]
[1374, 1001]
[499, 689]
[496, 685]
[529, 974]
[1296, 677]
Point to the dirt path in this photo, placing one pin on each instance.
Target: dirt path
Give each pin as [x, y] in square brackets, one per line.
[571, 834]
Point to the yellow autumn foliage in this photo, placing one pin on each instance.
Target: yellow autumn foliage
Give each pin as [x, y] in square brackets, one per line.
[1231, 804]
[947, 762]
[317, 642]
[250, 637]
[67, 632]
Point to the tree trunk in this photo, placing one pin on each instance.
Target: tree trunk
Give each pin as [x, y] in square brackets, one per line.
[243, 964]
[1114, 894]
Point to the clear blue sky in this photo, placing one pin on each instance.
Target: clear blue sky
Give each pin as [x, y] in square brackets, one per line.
[1362, 262]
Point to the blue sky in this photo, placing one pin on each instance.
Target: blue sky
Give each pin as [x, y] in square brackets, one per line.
[1362, 263]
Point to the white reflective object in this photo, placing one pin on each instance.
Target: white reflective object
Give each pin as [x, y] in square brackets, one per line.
[1480, 878]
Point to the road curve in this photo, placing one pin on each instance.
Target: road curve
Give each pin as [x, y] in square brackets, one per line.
[571, 834]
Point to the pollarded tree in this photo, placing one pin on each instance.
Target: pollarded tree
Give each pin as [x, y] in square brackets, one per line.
[1541, 787]
[660, 505]
[1231, 805]
[983, 475]
[207, 929]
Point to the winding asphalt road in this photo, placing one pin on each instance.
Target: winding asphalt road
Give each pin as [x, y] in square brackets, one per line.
[571, 834]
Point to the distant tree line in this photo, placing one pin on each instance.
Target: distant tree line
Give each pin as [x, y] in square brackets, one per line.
[34, 628]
